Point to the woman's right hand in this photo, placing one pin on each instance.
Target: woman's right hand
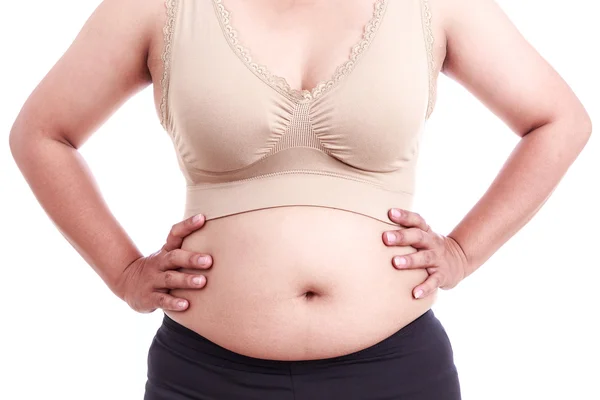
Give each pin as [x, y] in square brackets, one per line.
[146, 282]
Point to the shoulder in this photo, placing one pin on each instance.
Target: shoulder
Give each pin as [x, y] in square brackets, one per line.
[141, 13]
[459, 20]
[133, 18]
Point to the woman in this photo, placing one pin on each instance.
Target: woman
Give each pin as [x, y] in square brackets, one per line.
[306, 275]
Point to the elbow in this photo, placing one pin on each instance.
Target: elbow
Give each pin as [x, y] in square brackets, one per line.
[19, 142]
[22, 142]
[574, 125]
[20, 148]
[15, 144]
[587, 126]
[581, 127]
[568, 129]
[17, 138]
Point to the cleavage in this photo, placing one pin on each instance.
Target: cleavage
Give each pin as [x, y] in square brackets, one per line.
[303, 43]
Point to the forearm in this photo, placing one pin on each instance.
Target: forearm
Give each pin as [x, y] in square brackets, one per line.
[523, 185]
[64, 186]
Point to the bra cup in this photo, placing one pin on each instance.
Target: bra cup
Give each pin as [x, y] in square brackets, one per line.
[367, 126]
[222, 136]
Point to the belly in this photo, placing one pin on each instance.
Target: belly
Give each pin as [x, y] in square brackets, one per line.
[299, 283]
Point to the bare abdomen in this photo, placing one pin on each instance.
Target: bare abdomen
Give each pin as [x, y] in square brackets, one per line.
[297, 283]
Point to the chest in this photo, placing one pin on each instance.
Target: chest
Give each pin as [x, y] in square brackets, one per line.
[362, 103]
[304, 42]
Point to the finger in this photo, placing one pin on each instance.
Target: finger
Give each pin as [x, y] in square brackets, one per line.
[408, 218]
[419, 259]
[179, 258]
[432, 282]
[168, 302]
[182, 229]
[414, 237]
[179, 280]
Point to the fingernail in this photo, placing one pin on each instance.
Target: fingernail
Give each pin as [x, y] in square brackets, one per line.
[396, 213]
[198, 280]
[181, 303]
[202, 260]
[399, 261]
[418, 294]
[390, 236]
[197, 218]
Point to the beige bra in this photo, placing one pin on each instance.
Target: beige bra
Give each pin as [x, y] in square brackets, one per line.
[245, 140]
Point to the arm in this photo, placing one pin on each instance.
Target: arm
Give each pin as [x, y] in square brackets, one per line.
[488, 56]
[103, 67]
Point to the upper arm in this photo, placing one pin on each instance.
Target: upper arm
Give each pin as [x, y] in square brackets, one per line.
[104, 66]
[488, 56]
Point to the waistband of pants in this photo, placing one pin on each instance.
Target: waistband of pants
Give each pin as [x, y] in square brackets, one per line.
[391, 345]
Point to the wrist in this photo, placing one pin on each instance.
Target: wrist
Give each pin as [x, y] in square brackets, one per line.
[117, 282]
[463, 259]
[115, 286]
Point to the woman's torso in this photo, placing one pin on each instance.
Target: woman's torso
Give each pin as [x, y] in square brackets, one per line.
[298, 282]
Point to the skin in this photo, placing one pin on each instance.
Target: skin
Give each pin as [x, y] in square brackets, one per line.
[113, 58]
[146, 282]
[523, 90]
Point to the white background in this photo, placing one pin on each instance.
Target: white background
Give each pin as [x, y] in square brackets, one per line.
[524, 326]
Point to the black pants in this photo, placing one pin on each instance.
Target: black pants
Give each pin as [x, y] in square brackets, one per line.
[415, 363]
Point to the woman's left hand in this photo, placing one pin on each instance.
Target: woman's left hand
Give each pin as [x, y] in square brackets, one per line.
[440, 255]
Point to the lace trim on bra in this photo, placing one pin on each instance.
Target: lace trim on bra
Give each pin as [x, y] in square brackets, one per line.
[168, 31]
[280, 83]
[430, 61]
